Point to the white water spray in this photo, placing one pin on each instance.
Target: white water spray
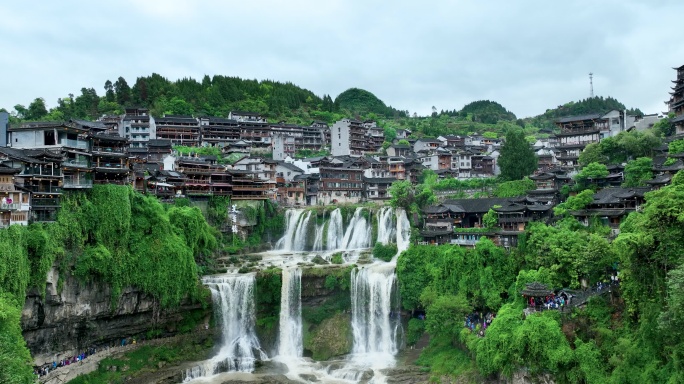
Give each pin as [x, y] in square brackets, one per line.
[290, 337]
[233, 298]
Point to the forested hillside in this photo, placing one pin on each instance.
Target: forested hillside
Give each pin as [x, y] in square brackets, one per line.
[629, 332]
[597, 104]
[278, 101]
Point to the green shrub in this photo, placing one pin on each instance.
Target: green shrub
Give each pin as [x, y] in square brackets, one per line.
[384, 252]
[416, 327]
[337, 258]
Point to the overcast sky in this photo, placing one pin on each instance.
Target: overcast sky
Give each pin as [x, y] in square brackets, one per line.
[526, 55]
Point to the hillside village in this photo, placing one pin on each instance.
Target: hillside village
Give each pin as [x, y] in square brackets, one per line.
[41, 160]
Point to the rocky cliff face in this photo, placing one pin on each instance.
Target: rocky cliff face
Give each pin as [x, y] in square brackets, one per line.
[81, 315]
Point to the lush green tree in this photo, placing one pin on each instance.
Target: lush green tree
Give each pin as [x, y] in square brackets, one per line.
[592, 153]
[675, 147]
[15, 359]
[490, 219]
[403, 142]
[514, 188]
[638, 171]
[591, 172]
[36, 110]
[402, 194]
[444, 316]
[664, 126]
[575, 203]
[390, 134]
[110, 96]
[123, 91]
[517, 158]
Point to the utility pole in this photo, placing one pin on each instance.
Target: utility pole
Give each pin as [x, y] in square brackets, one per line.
[591, 84]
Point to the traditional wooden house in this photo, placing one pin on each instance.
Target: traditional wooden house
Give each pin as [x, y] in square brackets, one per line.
[179, 130]
[247, 185]
[219, 132]
[612, 205]
[341, 180]
[110, 159]
[575, 133]
[14, 201]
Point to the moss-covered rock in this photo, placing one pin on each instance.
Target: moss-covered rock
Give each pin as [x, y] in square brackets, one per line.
[332, 337]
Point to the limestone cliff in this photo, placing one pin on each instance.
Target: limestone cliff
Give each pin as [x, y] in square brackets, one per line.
[80, 315]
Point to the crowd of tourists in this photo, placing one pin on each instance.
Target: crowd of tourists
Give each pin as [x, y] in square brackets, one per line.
[47, 368]
[551, 301]
[477, 322]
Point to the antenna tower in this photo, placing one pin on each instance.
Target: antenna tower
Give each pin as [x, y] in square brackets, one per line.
[591, 84]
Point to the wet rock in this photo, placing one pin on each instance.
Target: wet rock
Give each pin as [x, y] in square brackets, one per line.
[309, 378]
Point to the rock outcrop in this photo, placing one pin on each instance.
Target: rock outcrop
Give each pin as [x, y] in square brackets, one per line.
[80, 315]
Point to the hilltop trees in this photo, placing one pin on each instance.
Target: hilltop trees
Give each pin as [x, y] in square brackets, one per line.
[517, 158]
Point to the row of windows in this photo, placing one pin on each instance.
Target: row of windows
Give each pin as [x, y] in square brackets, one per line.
[343, 185]
[341, 176]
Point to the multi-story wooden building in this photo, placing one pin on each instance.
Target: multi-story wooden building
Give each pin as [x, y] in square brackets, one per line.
[179, 130]
[219, 132]
[110, 162]
[14, 201]
[575, 133]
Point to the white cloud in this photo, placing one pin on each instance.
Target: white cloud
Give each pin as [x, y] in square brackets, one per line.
[413, 55]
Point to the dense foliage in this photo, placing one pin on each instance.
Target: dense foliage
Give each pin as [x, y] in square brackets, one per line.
[488, 112]
[591, 105]
[110, 234]
[514, 188]
[623, 147]
[632, 335]
[357, 101]
[517, 158]
[384, 252]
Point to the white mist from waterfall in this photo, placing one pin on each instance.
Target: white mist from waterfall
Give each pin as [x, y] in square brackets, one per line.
[233, 298]
[290, 336]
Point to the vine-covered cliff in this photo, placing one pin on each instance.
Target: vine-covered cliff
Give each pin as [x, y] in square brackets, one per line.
[112, 252]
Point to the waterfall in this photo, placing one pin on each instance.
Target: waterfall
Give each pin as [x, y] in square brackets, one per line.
[300, 235]
[403, 231]
[290, 344]
[318, 239]
[375, 323]
[358, 234]
[291, 219]
[335, 231]
[304, 233]
[233, 298]
[386, 229]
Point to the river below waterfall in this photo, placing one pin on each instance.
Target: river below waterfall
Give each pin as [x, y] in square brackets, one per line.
[375, 321]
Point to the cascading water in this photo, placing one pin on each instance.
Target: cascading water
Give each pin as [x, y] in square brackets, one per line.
[374, 322]
[300, 225]
[291, 219]
[233, 298]
[386, 229]
[290, 337]
[403, 231]
[335, 230]
[300, 235]
[358, 234]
